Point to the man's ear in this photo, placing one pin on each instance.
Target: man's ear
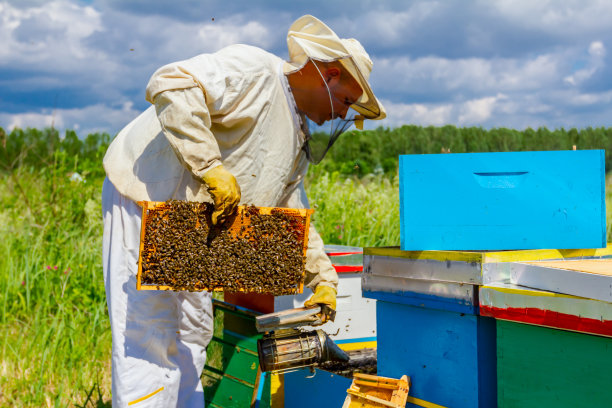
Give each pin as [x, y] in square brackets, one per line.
[332, 76]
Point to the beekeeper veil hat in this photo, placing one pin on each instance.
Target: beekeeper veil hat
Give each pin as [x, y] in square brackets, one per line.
[310, 38]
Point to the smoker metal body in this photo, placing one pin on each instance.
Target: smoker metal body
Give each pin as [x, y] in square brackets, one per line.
[288, 350]
[285, 347]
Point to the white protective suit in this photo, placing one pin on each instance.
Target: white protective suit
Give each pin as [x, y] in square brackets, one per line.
[232, 107]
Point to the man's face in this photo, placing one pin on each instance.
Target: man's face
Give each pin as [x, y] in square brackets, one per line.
[344, 92]
[343, 96]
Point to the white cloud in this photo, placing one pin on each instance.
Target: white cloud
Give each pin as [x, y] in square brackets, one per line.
[390, 26]
[562, 18]
[597, 49]
[29, 119]
[477, 111]
[417, 114]
[596, 53]
[52, 34]
[588, 99]
[89, 119]
[472, 76]
[224, 34]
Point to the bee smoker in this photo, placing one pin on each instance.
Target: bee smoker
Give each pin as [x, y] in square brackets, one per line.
[284, 347]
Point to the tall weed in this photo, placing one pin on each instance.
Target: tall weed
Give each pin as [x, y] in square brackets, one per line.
[356, 211]
[54, 332]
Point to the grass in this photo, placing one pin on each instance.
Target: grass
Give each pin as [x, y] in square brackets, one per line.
[54, 331]
[360, 212]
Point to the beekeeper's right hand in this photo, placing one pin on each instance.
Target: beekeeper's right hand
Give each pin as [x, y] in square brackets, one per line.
[324, 296]
[224, 190]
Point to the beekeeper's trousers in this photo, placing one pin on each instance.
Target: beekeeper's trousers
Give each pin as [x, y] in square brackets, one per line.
[159, 337]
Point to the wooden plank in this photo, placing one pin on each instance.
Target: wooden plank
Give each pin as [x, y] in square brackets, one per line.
[596, 266]
[502, 201]
[515, 303]
[485, 257]
[571, 282]
[400, 395]
[385, 391]
[378, 401]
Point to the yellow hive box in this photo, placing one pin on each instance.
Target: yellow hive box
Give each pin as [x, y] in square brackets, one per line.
[236, 225]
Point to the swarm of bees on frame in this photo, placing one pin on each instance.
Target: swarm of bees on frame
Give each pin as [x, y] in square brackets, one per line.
[183, 251]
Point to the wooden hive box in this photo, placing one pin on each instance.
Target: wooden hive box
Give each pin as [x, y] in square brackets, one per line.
[258, 249]
[546, 367]
[503, 200]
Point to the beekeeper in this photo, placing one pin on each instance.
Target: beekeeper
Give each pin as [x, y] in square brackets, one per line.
[230, 128]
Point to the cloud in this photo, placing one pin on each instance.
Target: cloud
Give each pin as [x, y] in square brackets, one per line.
[597, 49]
[434, 78]
[399, 114]
[224, 34]
[51, 34]
[567, 108]
[91, 119]
[477, 111]
[511, 63]
[561, 18]
[594, 62]
[473, 112]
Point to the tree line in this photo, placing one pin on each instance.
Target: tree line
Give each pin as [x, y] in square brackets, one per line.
[355, 153]
[377, 151]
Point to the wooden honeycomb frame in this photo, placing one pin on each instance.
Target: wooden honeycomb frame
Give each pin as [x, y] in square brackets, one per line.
[234, 227]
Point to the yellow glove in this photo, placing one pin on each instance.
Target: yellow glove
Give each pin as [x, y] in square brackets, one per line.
[224, 191]
[323, 295]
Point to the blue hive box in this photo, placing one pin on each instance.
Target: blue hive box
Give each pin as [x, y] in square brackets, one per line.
[449, 356]
[503, 201]
[428, 326]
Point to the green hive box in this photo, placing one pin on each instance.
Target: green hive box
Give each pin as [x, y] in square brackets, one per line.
[231, 377]
[543, 367]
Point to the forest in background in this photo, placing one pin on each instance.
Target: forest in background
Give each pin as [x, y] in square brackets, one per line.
[356, 153]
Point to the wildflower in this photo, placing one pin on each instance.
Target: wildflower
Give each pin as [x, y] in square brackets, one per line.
[48, 267]
[76, 177]
[22, 283]
[55, 267]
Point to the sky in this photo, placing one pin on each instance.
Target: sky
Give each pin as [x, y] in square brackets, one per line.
[84, 65]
